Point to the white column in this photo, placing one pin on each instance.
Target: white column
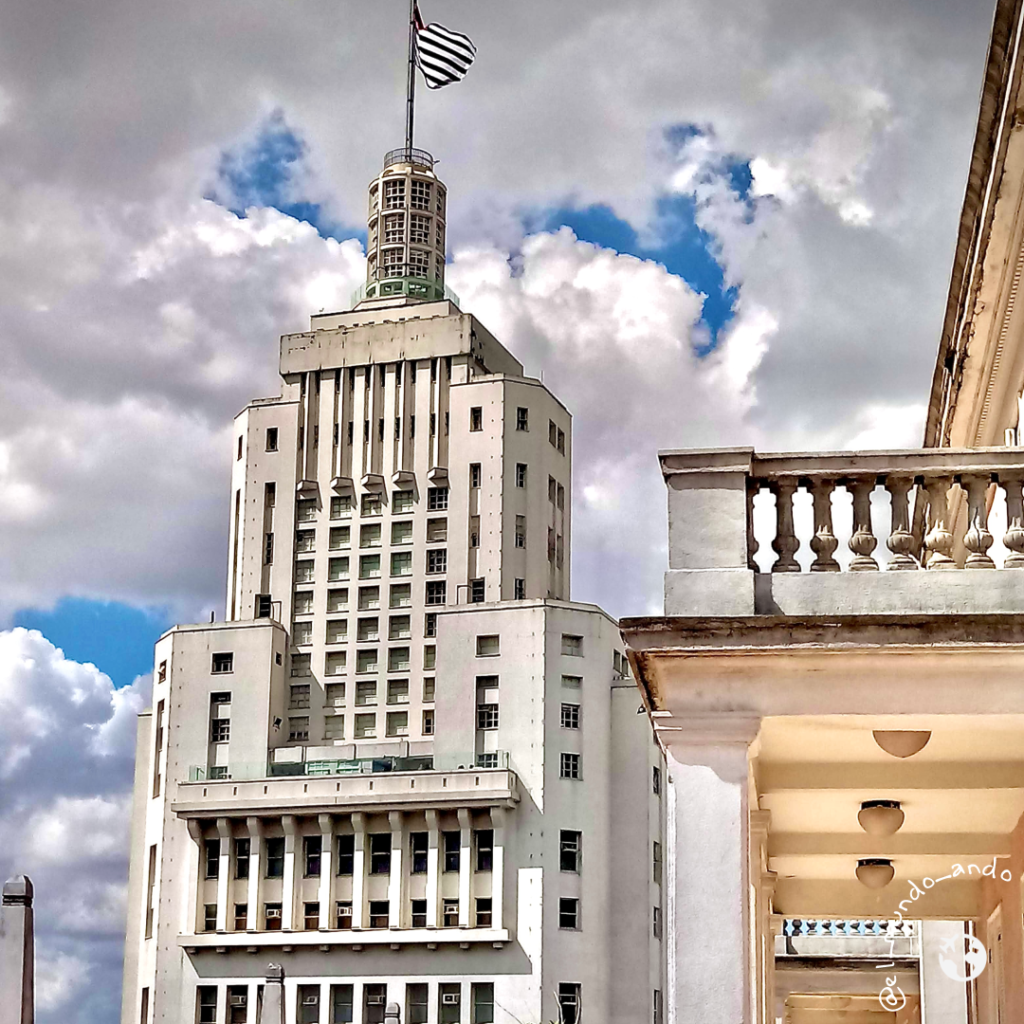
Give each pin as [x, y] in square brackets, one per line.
[358, 868]
[223, 873]
[195, 868]
[709, 767]
[253, 894]
[762, 886]
[395, 881]
[222, 1002]
[433, 859]
[498, 867]
[465, 865]
[288, 881]
[943, 999]
[326, 871]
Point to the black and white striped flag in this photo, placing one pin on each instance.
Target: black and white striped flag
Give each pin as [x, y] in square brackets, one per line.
[442, 55]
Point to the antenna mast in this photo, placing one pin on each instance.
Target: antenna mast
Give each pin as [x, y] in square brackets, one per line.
[411, 82]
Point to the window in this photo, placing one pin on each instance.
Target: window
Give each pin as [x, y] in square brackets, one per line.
[450, 913]
[476, 591]
[305, 510]
[572, 645]
[399, 627]
[429, 657]
[437, 531]
[401, 562]
[398, 659]
[520, 474]
[486, 682]
[570, 847]
[437, 499]
[452, 850]
[519, 590]
[659, 1012]
[206, 1003]
[298, 729]
[275, 857]
[522, 418]
[551, 544]
[484, 848]
[341, 506]
[520, 531]
[311, 915]
[552, 433]
[241, 858]
[374, 999]
[304, 602]
[241, 917]
[239, 455]
[338, 568]
[398, 691]
[379, 914]
[369, 598]
[220, 730]
[569, 1002]
[212, 857]
[488, 646]
[552, 489]
[401, 502]
[397, 723]
[302, 633]
[430, 624]
[401, 533]
[656, 921]
[569, 766]
[568, 913]
[301, 665]
[394, 193]
[428, 689]
[312, 847]
[337, 631]
[394, 228]
[656, 862]
[416, 998]
[437, 560]
[366, 661]
[307, 1010]
[570, 716]
[144, 1007]
[272, 917]
[365, 727]
[474, 531]
[476, 420]
[572, 681]
[304, 570]
[420, 195]
[435, 592]
[368, 629]
[656, 780]
[268, 549]
[334, 727]
[475, 474]
[561, 497]
[335, 663]
[487, 716]
[337, 599]
[369, 567]
[346, 854]
[369, 536]
[305, 540]
[483, 913]
[343, 914]
[372, 505]
[299, 696]
[449, 997]
[418, 846]
[380, 853]
[561, 441]
[366, 692]
[340, 537]
[223, 663]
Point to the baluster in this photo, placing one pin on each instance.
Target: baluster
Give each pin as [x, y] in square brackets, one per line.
[786, 542]
[824, 542]
[1014, 536]
[863, 541]
[901, 540]
[753, 489]
[978, 540]
[939, 539]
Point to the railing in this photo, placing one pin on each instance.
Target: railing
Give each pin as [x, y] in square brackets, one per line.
[792, 927]
[927, 491]
[390, 283]
[408, 156]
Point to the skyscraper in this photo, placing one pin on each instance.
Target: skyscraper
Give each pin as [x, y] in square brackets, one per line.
[405, 768]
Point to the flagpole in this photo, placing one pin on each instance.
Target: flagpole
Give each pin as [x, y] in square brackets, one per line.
[411, 83]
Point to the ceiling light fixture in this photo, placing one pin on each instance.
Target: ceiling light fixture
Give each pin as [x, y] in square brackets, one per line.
[881, 817]
[901, 742]
[875, 872]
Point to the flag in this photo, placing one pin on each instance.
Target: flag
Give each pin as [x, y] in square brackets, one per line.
[442, 55]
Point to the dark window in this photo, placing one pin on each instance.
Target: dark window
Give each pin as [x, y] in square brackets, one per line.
[449, 998]
[569, 1002]
[223, 662]
[519, 591]
[220, 730]
[520, 474]
[271, 439]
[375, 998]
[272, 916]
[483, 913]
[212, 848]
[275, 858]
[476, 591]
[476, 418]
[568, 913]
[561, 441]
[418, 842]
[656, 922]
[437, 560]
[241, 858]
[450, 913]
[484, 848]
[437, 499]
[346, 854]
[379, 917]
[433, 424]
[569, 766]
[656, 780]
[570, 716]
[270, 494]
[341, 1004]
[552, 433]
[483, 1002]
[416, 998]
[419, 913]
[475, 474]
[241, 917]
[430, 624]
[263, 609]
[452, 850]
[570, 846]
[311, 916]
[239, 455]
[268, 550]
[312, 847]
[206, 1004]
[307, 1009]
[656, 862]
[522, 418]
[210, 917]
[380, 853]
[343, 914]
[436, 592]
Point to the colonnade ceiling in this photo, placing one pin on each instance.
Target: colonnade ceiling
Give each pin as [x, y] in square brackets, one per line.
[961, 797]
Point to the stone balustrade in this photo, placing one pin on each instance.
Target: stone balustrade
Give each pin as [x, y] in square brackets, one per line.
[914, 513]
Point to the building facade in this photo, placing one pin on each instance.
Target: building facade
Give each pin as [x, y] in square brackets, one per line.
[406, 768]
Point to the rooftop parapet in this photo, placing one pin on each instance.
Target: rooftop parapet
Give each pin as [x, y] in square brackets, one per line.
[914, 525]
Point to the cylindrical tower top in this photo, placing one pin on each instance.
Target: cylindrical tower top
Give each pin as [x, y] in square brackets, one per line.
[406, 229]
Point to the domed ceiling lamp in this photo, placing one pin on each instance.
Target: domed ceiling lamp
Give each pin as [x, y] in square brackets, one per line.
[881, 817]
[901, 742]
[875, 872]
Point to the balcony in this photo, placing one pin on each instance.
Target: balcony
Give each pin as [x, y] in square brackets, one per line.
[855, 533]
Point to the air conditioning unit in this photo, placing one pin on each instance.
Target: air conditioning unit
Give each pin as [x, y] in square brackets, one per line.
[313, 1000]
[450, 999]
[374, 1000]
[237, 1000]
[344, 911]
